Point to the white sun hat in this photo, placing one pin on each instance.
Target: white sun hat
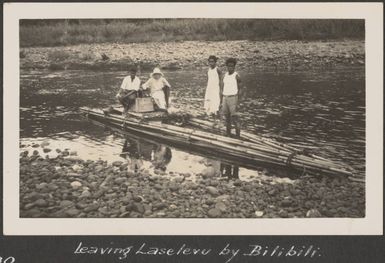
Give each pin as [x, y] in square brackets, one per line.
[156, 71]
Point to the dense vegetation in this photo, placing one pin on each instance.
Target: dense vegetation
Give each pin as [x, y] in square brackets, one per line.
[56, 32]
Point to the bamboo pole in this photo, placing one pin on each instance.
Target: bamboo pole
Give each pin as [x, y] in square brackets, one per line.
[272, 143]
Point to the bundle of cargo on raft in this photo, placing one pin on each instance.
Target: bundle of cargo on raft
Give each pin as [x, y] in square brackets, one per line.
[251, 149]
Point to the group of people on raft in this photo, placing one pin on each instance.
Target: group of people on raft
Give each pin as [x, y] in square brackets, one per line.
[221, 97]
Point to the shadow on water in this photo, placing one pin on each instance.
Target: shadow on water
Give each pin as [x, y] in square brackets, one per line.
[319, 110]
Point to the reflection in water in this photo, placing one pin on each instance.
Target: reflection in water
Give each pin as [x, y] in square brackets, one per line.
[135, 151]
[230, 171]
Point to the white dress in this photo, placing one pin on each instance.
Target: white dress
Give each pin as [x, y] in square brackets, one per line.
[156, 88]
[212, 99]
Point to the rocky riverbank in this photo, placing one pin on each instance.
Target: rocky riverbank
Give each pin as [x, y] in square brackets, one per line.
[67, 186]
[288, 55]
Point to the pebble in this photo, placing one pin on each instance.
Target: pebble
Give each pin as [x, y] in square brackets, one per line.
[137, 198]
[259, 213]
[29, 206]
[46, 150]
[85, 194]
[117, 163]
[76, 184]
[237, 182]
[41, 186]
[212, 190]
[120, 180]
[161, 214]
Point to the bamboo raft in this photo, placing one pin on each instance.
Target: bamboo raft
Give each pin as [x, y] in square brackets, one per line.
[251, 149]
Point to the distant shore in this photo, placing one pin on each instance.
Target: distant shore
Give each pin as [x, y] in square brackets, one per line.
[285, 55]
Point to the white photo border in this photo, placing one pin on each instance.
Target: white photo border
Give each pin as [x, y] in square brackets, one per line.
[372, 224]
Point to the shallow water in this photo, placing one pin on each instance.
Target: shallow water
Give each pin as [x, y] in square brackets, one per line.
[320, 110]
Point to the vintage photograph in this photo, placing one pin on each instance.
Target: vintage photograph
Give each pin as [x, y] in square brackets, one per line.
[192, 118]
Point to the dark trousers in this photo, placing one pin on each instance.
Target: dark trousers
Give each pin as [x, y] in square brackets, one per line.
[229, 113]
[166, 91]
[128, 99]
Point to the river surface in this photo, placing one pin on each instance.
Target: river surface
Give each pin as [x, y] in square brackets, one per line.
[320, 110]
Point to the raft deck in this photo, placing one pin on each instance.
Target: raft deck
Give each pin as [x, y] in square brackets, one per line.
[252, 149]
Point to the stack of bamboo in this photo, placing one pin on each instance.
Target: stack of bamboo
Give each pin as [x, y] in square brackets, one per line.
[285, 154]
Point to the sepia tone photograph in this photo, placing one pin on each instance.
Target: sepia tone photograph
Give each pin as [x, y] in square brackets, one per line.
[192, 118]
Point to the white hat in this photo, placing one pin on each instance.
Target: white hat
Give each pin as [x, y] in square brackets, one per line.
[156, 71]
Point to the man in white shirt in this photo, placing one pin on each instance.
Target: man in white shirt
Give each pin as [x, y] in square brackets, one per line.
[231, 91]
[129, 89]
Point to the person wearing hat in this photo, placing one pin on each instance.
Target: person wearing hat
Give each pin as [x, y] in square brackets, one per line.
[129, 89]
[159, 88]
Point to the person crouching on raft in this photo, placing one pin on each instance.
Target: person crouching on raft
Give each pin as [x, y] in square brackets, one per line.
[212, 96]
[129, 89]
[231, 93]
[159, 89]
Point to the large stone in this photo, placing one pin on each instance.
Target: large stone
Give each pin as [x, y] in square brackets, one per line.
[29, 206]
[221, 206]
[212, 190]
[117, 163]
[120, 180]
[41, 186]
[158, 187]
[72, 212]
[174, 187]
[41, 203]
[91, 207]
[138, 207]
[126, 200]
[313, 213]
[159, 206]
[209, 172]
[214, 213]
[66, 203]
[283, 213]
[286, 202]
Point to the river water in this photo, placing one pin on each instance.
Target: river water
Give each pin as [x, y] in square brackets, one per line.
[320, 110]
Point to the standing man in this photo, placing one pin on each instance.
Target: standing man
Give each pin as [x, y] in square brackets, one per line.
[231, 93]
[129, 90]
